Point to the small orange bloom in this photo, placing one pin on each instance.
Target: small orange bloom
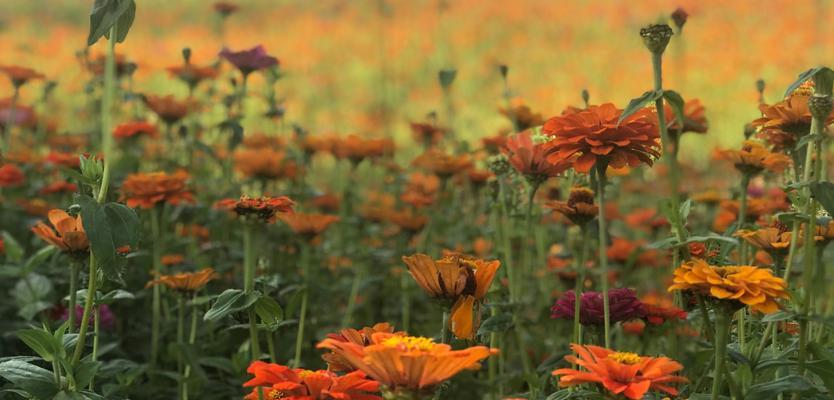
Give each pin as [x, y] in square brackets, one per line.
[362, 337]
[58, 187]
[66, 233]
[308, 226]
[442, 164]
[408, 363]
[11, 176]
[776, 239]
[427, 133]
[694, 118]
[458, 279]
[20, 75]
[276, 381]
[169, 109]
[521, 115]
[172, 259]
[408, 220]
[264, 208]
[626, 374]
[356, 148]
[746, 285]
[421, 189]
[133, 129]
[192, 74]
[531, 159]
[264, 163]
[186, 282]
[753, 158]
[146, 190]
[579, 208]
[594, 135]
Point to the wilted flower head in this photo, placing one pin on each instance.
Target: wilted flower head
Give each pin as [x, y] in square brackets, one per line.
[146, 190]
[362, 337]
[274, 381]
[248, 61]
[19, 76]
[621, 374]
[67, 232]
[579, 208]
[594, 135]
[623, 305]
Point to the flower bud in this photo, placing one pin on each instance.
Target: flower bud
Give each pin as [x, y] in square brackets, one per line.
[820, 106]
[679, 17]
[656, 37]
[186, 54]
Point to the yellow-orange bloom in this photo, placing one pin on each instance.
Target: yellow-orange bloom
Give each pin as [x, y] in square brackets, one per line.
[620, 373]
[754, 158]
[579, 209]
[776, 240]
[748, 285]
[308, 225]
[67, 232]
[264, 163]
[464, 281]
[362, 337]
[442, 164]
[145, 190]
[187, 282]
[408, 363]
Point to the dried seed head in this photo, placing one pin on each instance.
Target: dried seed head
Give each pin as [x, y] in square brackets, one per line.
[656, 37]
[820, 106]
[498, 164]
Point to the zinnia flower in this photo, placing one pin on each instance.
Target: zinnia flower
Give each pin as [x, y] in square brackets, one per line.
[530, 158]
[58, 187]
[753, 158]
[362, 337]
[280, 382]
[521, 115]
[660, 309]
[408, 220]
[168, 108]
[264, 163]
[457, 279]
[264, 208]
[309, 226]
[356, 148]
[783, 123]
[623, 305]
[248, 61]
[694, 118]
[11, 176]
[192, 74]
[442, 164]
[744, 285]
[579, 208]
[146, 190]
[20, 75]
[407, 363]
[133, 129]
[775, 240]
[626, 374]
[594, 135]
[186, 282]
[67, 232]
[427, 133]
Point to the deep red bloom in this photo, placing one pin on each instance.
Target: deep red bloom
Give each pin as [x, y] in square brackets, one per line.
[11, 175]
[623, 305]
[248, 61]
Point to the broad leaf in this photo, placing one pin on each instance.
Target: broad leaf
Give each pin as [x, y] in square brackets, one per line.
[107, 13]
[676, 103]
[230, 301]
[636, 104]
[824, 193]
[41, 342]
[38, 382]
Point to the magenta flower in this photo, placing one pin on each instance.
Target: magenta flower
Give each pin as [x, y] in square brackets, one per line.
[623, 305]
[248, 61]
[108, 320]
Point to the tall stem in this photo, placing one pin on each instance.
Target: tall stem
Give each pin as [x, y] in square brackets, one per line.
[579, 266]
[722, 328]
[249, 287]
[85, 317]
[192, 338]
[603, 255]
[181, 340]
[444, 328]
[96, 332]
[305, 268]
[156, 306]
[73, 297]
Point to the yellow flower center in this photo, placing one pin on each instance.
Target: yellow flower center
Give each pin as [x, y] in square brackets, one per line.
[625, 358]
[410, 342]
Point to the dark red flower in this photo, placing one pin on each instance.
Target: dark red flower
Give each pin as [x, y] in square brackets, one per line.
[623, 305]
[248, 61]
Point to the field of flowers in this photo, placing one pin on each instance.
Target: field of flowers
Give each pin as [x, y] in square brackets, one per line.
[406, 200]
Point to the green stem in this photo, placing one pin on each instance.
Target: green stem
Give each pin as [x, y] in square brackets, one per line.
[354, 293]
[96, 334]
[603, 255]
[85, 317]
[305, 268]
[156, 306]
[6, 136]
[249, 287]
[270, 345]
[579, 265]
[192, 338]
[181, 340]
[444, 328]
[73, 296]
[722, 328]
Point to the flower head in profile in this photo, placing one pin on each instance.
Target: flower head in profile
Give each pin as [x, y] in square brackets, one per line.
[19, 76]
[185, 282]
[146, 190]
[308, 226]
[135, 129]
[408, 220]
[58, 187]
[595, 135]
[443, 164]
[459, 280]
[66, 233]
[356, 148]
[407, 364]
[427, 133]
[530, 158]
[521, 115]
[168, 108]
[625, 374]
[362, 337]
[11, 176]
[264, 209]
[251, 60]
[623, 306]
[275, 381]
[421, 189]
[660, 309]
[783, 123]
[694, 118]
[754, 158]
[775, 239]
[579, 209]
[192, 74]
[737, 285]
[824, 232]
[264, 163]
[225, 8]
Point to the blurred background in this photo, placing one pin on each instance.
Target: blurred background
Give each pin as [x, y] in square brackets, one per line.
[370, 66]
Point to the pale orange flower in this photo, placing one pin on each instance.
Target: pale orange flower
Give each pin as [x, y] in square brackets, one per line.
[67, 232]
[186, 282]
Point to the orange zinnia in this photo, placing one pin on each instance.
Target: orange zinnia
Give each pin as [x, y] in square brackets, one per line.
[530, 158]
[754, 158]
[308, 225]
[626, 374]
[20, 75]
[362, 337]
[595, 135]
[264, 163]
[67, 232]
[135, 129]
[694, 118]
[521, 115]
[579, 208]
[407, 363]
[264, 208]
[11, 175]
[745, 285]
[356, 148]
[192, 74]
[442, 164]
[458, 279]
[146, 190]
[275, 381]
[775, 240]
[408, 220]
[186, 282]
[168, 108]
[783, 123]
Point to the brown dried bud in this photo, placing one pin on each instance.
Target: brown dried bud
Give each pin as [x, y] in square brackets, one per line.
[679, 17]
[656, 37]
[820, 106]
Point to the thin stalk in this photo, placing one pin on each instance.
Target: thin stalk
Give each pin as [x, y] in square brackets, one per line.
[249, 287]
[603, 255]
[722, 328]
[444, 328]
[96, 332]
[270, 345]
[156, 306]
[192, 338]
[181, 341]
[305, 268]
[85, 317]
[73, 296]
[579, 265]
[354, 293]
[6, 136]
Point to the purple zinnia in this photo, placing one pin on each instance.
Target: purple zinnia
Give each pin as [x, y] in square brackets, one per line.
[108, 320]
[623, 305]
[248, 61]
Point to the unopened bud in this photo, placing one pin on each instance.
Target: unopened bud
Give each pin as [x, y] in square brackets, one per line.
[760, 85]
[656, 37]
[586, 97]
[186, 54]
[679, 16]
[820, 106]
[504, 70]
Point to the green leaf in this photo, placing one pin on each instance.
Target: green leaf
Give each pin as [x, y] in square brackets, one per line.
[32, 295]
[676, 103]
[824, 193]
[85, 371]
[14, 251]
[230, 301]
[823, 366]
[790, 217]
[771, 389]
[94, 219]
[497, 323]
[38, 258]
[780, 315]
[38, 382]
[41, 342]
[106, 14]
[124, 224]
[636, 104]
[269, 311]
[114, 295]
[64, 395]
